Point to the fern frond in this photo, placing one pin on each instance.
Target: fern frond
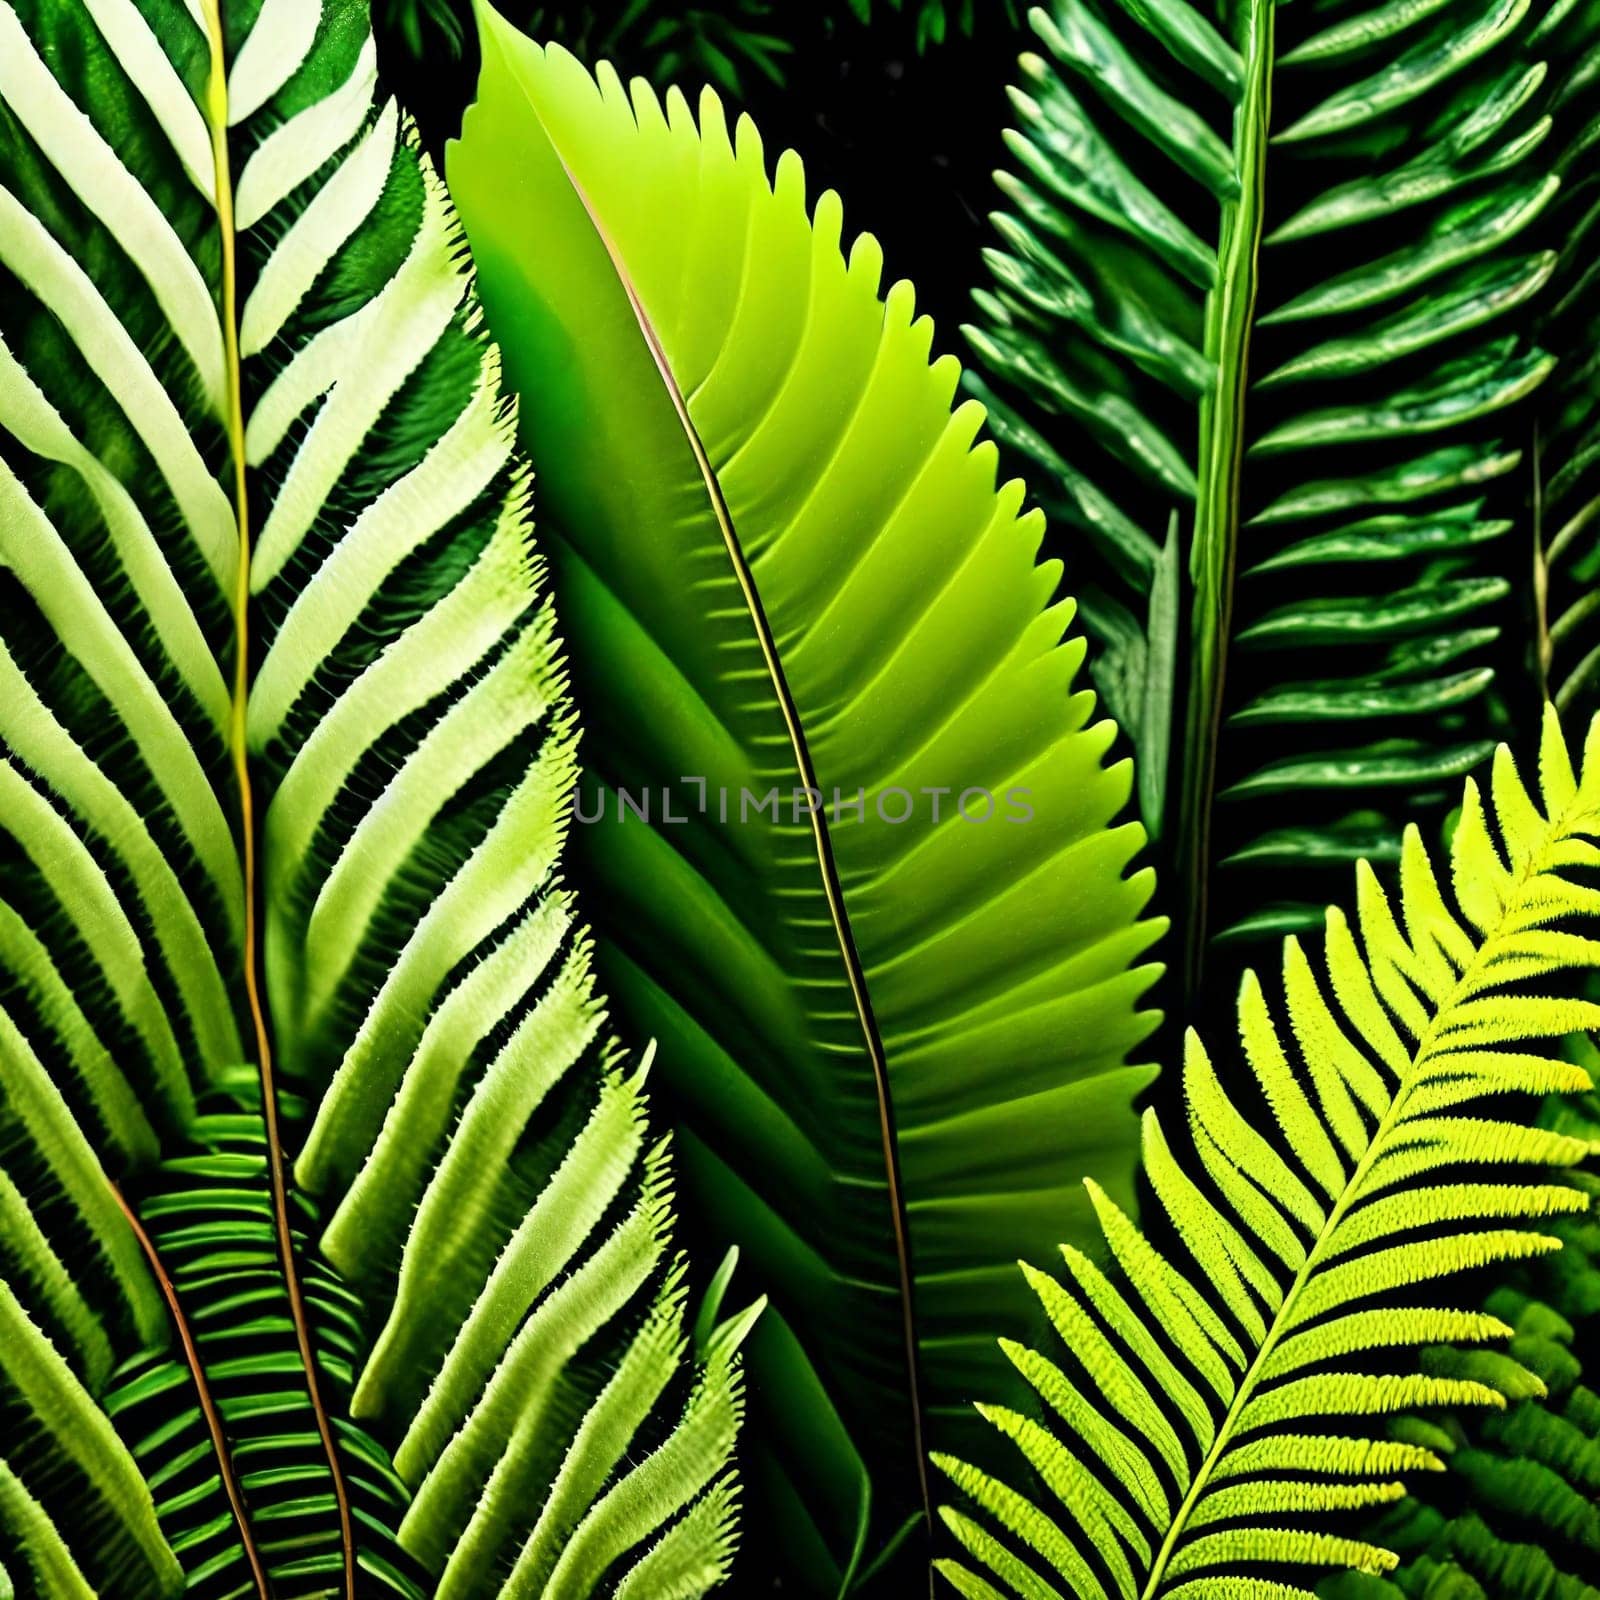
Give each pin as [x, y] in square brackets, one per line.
[1258, 318]
[1565, 507]
[335, 1252]
[1247, 1364]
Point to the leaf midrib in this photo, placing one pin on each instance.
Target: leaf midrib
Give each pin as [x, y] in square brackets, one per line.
[826, 867]
[1537, 865]
[216, 112]
[1230, 316]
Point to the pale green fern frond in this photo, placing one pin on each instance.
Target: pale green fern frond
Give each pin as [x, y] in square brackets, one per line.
[335, 1251]
[1220, 1391]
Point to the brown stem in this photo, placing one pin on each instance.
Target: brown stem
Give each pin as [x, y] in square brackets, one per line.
[208, 1406]
[217, 109]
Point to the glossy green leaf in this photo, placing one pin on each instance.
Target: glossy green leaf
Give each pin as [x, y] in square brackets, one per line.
[1454, 396]
[888, 1033]
[1327, 622]
[1088, 49]
[1565, 504]
[1447, 50]
[1455, 236]
[1339, 702]
[1391, 763]
[1389, 538]
[1363, 32]
[1440, 472]
[1481, 297]
[1361, 344]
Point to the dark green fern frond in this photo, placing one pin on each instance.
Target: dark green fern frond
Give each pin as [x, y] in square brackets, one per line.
[1566, 459]
[1267, 285]
[1515, 1514]
[1216, 1398]
[208, 1216]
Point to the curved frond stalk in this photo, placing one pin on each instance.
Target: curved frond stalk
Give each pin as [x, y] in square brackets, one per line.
[1269, 281]
[286, 763]
[848, 813]
[1266, 1341]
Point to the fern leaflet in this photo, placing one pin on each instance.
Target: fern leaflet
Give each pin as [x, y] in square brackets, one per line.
[1221, 1391]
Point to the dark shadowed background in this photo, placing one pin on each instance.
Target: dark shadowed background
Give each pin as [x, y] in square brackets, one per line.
[898, 106]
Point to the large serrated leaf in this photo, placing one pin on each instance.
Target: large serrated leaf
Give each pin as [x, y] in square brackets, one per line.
[888, 1031]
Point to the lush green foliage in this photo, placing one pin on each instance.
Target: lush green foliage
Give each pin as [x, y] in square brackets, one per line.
[938, 20]
[285, 769]
[1516, 1513]
[1392, 254]
[335, 1250]
[1565, 510]
[1261, 314]
[891, 1037]
[1218, 1395]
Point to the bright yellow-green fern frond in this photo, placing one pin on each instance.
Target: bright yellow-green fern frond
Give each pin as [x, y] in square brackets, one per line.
[1218, 1394]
